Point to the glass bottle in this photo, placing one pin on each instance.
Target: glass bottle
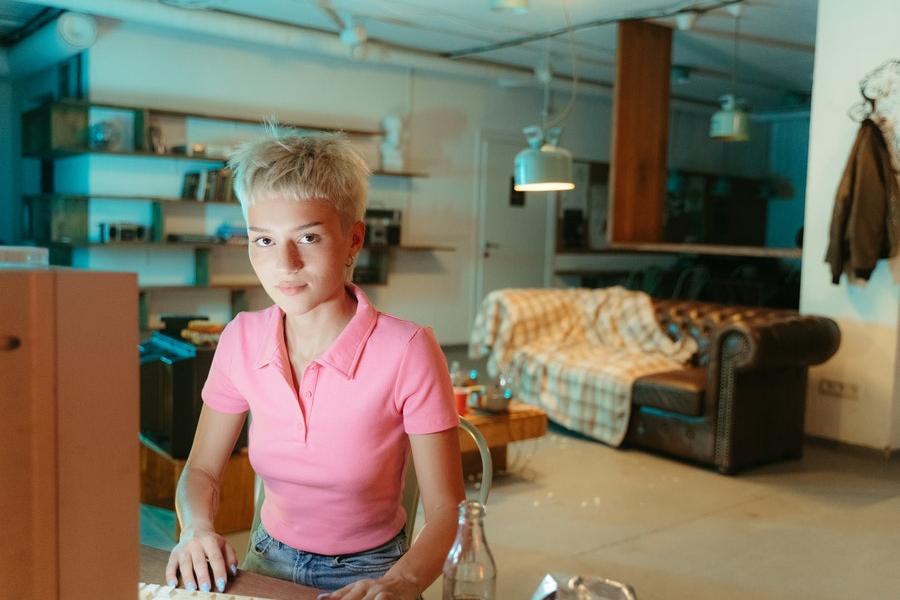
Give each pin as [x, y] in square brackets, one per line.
[469, 571]
[456, 376]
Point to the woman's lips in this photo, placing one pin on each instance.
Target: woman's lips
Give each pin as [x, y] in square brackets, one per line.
[290, 288]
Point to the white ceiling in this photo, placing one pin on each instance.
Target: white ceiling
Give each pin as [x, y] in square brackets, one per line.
[774, 49]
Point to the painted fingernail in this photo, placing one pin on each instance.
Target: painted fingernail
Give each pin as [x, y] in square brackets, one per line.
[220, 584]
[173, 583]
[233, 569]
[204, 587]
[191, 587]
[322, 596]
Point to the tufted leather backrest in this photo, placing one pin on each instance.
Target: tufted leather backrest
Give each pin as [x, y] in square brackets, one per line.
[700, 320]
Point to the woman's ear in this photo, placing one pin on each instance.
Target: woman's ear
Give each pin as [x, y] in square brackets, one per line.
[357, 236]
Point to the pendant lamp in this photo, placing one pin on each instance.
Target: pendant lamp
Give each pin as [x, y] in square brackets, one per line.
[543, 166]
[731, 123]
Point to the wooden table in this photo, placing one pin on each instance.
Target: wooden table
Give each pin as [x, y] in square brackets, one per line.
[153, 570]
[520, 422]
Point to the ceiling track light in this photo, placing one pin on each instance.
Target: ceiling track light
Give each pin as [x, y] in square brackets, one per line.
[513, 6]
[354, 37]
[685, 20]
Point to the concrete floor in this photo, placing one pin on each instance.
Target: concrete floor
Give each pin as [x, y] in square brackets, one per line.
[826, 527]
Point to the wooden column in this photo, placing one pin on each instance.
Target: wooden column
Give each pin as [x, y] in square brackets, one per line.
[640, 132]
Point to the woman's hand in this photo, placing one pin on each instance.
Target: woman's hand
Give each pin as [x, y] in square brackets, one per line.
[201, 551]
[385, 588]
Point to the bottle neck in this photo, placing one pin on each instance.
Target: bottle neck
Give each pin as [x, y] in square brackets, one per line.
[471, 514]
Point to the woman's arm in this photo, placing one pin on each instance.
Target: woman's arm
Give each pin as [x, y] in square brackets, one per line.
[196, 500]
[439, 471]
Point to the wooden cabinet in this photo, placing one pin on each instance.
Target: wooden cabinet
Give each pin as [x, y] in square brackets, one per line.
[159, 478]
[70, 403]
[112, 192]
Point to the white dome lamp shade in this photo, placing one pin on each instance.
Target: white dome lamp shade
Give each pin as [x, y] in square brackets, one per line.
[543, 166]
[731, 123]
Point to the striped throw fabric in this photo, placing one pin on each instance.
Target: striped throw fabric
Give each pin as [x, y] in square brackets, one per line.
[575, 352]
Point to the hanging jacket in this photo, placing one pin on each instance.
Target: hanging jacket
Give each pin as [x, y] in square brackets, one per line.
[864, 222]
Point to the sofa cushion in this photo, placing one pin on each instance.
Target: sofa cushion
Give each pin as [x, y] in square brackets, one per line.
[681, 391]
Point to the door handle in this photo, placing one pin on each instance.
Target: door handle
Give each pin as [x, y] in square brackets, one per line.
[9, 342]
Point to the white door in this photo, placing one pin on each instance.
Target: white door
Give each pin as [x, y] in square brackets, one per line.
[515, 228]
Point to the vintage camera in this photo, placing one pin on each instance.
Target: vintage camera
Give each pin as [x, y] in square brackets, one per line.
[382, 227]
[124, 232]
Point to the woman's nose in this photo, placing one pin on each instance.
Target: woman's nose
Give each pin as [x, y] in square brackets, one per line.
[290, 259]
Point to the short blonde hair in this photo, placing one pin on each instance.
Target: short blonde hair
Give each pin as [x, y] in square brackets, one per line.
[302, 166]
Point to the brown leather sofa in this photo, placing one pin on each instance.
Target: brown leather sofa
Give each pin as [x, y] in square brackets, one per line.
[742, 402]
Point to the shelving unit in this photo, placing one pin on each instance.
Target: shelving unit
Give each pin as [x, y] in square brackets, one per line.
[90, 152]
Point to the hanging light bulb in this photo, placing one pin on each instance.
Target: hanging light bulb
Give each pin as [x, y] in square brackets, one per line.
[543, 166]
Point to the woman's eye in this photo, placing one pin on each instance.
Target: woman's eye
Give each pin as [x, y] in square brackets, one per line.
[263, 241]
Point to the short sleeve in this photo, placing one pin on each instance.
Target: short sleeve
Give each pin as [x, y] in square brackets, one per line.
[424, 391]
[219, 391]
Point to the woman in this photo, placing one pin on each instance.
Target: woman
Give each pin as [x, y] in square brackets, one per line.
[339, 394]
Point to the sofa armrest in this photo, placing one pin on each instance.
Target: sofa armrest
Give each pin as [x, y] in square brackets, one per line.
[775, 340]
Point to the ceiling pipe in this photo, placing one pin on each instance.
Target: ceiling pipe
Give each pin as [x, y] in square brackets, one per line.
[59, 40]
[285, 36]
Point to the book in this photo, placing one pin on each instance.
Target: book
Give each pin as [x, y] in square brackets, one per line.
[189, 186]
[209, 192]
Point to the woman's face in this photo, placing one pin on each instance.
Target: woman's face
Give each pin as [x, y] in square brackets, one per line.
[298, 250]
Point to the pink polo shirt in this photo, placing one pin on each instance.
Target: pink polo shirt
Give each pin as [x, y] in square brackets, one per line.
[332, 457]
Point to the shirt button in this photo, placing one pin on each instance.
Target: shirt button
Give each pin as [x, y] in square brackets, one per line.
[307, 393]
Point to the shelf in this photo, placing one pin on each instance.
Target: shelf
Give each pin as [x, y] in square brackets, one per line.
[403, 174]
[233, 287]
[57, 153]
[126, 197]
[66, 223]
[410, 248]
[720, 250]
[60, 128]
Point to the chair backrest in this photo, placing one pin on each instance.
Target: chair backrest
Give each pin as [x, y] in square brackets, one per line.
[410, 498]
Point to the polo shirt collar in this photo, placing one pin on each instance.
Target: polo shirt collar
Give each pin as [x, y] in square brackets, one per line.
[343, 354]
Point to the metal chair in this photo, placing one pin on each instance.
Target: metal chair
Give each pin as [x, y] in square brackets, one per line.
[411, 483]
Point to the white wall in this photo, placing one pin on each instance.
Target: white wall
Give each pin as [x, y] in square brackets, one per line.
[9, 198]
[867, 314]
[443, 114]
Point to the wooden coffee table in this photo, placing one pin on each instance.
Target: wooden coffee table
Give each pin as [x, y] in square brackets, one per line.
[519, 422]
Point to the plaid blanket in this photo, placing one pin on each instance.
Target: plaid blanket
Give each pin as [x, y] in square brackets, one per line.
[576, 352]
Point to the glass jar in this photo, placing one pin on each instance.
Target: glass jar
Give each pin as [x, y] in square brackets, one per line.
[469, 571]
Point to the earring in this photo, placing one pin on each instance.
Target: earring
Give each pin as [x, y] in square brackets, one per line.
[349, 262]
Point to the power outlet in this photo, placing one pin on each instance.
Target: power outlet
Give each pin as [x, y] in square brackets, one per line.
[845, 390]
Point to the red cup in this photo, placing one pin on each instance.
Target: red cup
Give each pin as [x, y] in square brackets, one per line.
[462, 395]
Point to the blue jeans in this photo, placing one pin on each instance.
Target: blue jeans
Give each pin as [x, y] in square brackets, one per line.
[268, 556]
